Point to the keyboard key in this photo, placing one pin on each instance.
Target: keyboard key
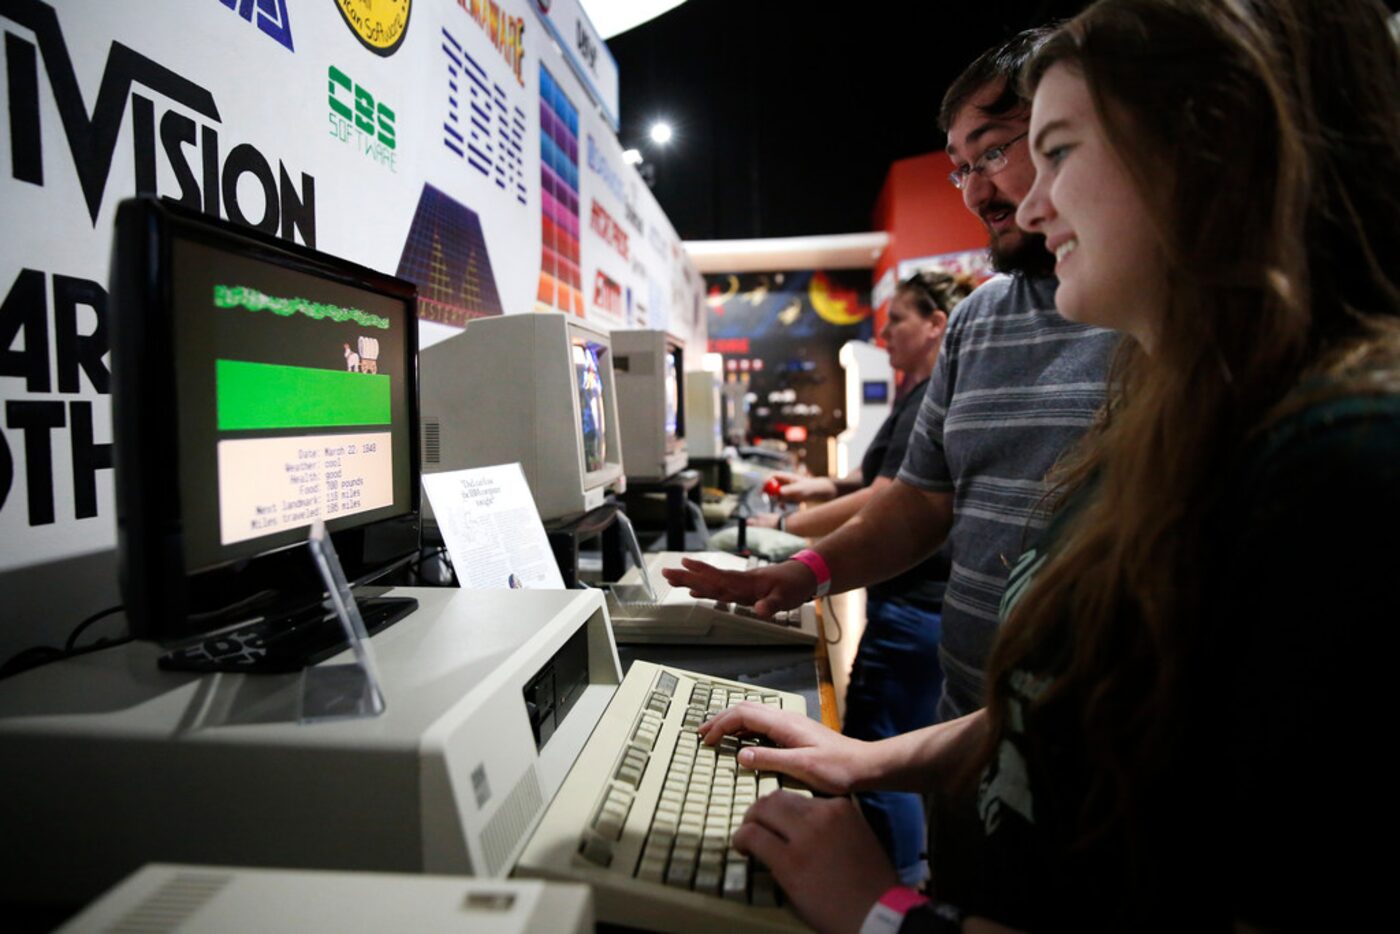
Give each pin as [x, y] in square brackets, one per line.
[681, 872]
[736, 879]
[613, 813]
[653, 866]
[666, 684]
[597, 850]
[709, 872]
[632, 767]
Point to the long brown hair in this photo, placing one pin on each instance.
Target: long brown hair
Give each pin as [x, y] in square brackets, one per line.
[1265, 137]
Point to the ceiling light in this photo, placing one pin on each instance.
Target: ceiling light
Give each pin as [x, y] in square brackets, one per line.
[661, 132]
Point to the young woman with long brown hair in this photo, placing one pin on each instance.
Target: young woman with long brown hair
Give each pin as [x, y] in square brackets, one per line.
[1185, 697]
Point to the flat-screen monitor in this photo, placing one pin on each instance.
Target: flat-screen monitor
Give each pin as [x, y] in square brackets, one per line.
[535, 389]
[258, 386]
[650, 368]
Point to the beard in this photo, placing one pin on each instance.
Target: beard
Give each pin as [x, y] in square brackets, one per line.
[1020, 251]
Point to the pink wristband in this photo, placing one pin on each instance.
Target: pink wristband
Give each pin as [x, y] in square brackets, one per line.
[901, 898]
[817, 565]
[888, 913]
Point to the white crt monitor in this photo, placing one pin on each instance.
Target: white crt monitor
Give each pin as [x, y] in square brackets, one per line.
[649, 367]
[534, 388]
[703, 410]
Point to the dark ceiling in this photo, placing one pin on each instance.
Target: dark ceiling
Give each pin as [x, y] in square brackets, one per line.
[788, 114]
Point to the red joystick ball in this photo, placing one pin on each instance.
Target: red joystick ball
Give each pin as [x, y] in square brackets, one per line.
[773, 487]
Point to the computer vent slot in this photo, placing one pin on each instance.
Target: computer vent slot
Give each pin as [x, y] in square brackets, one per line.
[510, 822]
[174, 903]
[432, 441]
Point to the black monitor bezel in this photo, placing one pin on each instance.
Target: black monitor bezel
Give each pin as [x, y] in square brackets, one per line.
[676, 347]
[164, 601]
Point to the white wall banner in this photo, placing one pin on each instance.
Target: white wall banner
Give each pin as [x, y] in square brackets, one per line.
[443, 141]
[585, 50]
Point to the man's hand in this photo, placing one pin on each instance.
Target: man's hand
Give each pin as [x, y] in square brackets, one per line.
[820, 758]
[823, 854]
[767, 589]
[805, 489]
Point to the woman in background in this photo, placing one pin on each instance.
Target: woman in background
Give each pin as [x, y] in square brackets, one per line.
[1185, 697]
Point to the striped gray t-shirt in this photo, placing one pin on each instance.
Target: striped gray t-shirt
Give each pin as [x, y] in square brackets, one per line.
[1015, 385]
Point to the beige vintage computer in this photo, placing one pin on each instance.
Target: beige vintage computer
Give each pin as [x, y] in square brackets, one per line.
[508, 739]
[163, 898]
[649, 369]
[508, 744]
[535, 388]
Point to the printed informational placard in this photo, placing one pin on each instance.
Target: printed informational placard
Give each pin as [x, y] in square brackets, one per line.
[272, 484]
[493, 532]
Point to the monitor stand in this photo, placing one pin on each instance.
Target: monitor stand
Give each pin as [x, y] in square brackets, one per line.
[284, 644]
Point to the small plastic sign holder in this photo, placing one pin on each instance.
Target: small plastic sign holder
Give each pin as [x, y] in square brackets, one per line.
[644, 593]
[340, 692]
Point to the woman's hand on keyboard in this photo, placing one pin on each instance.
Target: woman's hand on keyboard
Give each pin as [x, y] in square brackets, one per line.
[823, 854]
[820, 758]
[768, 589]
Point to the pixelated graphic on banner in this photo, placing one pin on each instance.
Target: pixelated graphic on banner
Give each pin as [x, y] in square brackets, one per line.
[445, 254]
[357, 118]
[271, 17]
[561, 282]
[208, 173]
[483, 126]
[380, 25]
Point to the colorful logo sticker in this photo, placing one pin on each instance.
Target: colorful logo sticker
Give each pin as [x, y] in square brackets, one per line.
[357, 118]
[380, 25]
[271, 17]
[484, 125]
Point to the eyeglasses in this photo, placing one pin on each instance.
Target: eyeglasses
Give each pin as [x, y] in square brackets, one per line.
[988, 164]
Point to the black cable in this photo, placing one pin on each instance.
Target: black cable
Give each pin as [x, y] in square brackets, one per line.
[37, 655]
[428, 554]
[72, 642]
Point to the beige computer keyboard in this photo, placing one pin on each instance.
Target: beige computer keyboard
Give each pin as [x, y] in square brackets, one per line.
[675, 617]
[646, 813]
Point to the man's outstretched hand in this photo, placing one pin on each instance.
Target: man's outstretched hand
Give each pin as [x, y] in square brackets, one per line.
[767, 589]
